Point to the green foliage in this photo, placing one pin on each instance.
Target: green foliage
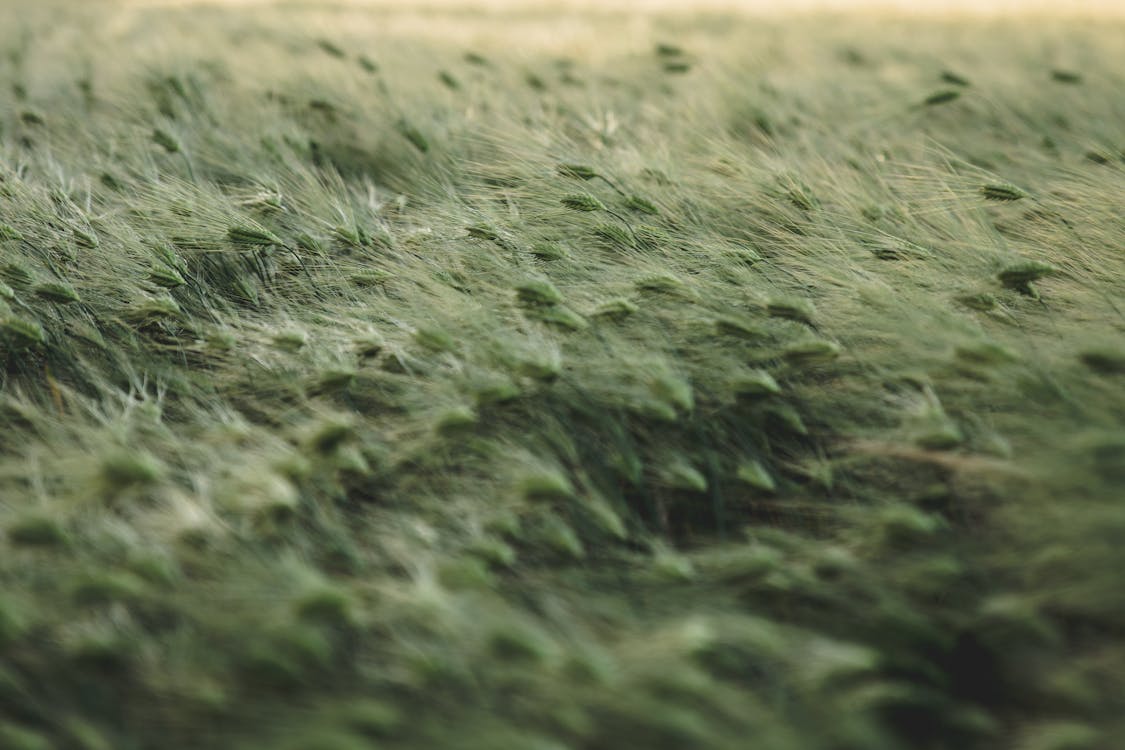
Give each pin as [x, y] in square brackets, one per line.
[339, 409]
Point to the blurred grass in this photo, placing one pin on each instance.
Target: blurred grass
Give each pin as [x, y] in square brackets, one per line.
[677, 384]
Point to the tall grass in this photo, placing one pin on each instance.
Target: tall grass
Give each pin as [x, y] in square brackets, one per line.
[375, 379]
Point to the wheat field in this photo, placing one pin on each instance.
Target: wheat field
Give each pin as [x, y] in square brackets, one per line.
[376, 375]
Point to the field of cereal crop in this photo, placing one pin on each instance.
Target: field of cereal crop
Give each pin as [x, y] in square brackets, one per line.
[388, 377]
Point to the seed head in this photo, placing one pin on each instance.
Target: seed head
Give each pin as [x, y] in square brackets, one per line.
[797, 310]
[756, 475]
[668, 50]
[756, 383]
[576, 171]
[546, 369]
[37, 531]
[165, 140]
[85, 239]
[374, 277]
[325, 603]
[1002, 192]
[495, 391]
[673, 390]
[981, 301]
[681, 475]
[60, 294]
[613, 235]
[111, 182]
[548, 251]
[941, 97]
[150, 310]
[739, 328]
[291, 341]
[435, 339]
[940, 437]
[1019, 276]
[810, 353]
[22, 333]
[538, 292]
[957, 80]
[985, 353]
[414, 135]
[450, 82]
[457, 421]
[661, 282]
[583, 202]
[651, 238]
[606, 518]
[330, 48]
[483, 232]
[333, 381]
[349, 236]
[1104, 361]
[546, 486]
[253, 236]
[786, 417]
[615, 309]
[128, 469]
[330, 435]
[17, 274]
[802, 198]
[169, 278]
[641, 205]
[559, 535]
[560, 317]
[1066, 76]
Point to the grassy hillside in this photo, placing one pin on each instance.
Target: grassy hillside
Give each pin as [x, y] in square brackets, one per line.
[379, 379]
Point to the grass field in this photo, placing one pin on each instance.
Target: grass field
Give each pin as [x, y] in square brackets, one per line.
[387, 378]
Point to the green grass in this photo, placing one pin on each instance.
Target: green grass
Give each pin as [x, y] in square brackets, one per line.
[723, 383]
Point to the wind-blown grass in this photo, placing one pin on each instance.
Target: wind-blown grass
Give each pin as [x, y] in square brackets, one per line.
[575, 405]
